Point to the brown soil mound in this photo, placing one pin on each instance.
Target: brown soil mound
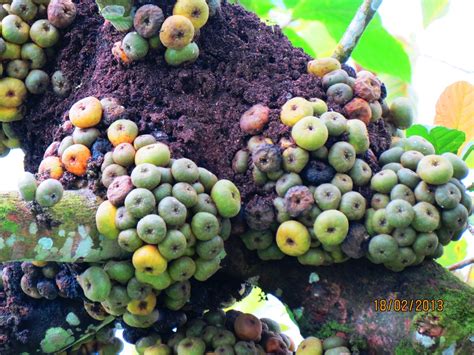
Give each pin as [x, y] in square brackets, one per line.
[243, 62]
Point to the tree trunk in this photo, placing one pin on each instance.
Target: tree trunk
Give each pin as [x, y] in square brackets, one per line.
[353, 296]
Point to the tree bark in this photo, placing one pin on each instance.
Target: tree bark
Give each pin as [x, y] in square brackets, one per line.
[423, 308]
[323, 299]
[63, 233]
[354, 32]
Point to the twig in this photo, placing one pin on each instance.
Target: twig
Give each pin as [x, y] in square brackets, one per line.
[461, 264]
[359, 23]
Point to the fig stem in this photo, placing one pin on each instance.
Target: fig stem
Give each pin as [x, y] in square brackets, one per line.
[356, 28]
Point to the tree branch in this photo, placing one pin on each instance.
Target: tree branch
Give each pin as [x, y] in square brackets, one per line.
[320, 297]
[432, 303]
[71, 237]
[354, 32]
[461, 264]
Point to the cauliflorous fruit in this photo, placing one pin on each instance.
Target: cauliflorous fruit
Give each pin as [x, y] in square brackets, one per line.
[367, 86]
[460, 168]
[226, 196]
[27, 186]
[197, 11]
[52, 167]
[44, 34]
[18, 69]
[254, 119]
[135, 46]
[310, 346]
[61, 86]
[105, 220]
[310, 133]
[149, 260]
[122, 131]
[157, 154]
[14, 29]
[248, 327]
[427, 217]
[26, 9]
[174, 245]
[358, 135]
[12, 93]
[342, 156]
[151, 229]
[148, 20]
[176, 32]
[188, 54]
[61, 13]
[335, 123]
[322, 66]
[400, 213]
[75, 159]
[37, 81]
[294, 110]
[383, 248]
[140, 202]
[293, 238]
[435, 169]
[401, 113]
[172, 211]
[95, 283]
[358, 109]
[340, 93]
[49, 193]
[142, 307]
[331, 227]
[86, 112]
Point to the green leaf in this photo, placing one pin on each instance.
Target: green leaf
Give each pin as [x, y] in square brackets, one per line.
[443, 139]
[419, 130]
[433, 10]
[453, 252]
[372, 50]
[316, 35]
[289, 4]
[127, 4]
[468, 155]
[298, 41]
[335, 14]
[447, 139]
[116, 15]
[260, 7]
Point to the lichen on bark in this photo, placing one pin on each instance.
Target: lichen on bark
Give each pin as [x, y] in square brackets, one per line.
[64, 233]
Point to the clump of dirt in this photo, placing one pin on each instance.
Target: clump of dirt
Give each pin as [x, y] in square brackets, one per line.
[195, 108]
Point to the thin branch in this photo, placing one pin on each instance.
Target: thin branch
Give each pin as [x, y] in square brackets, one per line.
[461, 264]
[359, 23]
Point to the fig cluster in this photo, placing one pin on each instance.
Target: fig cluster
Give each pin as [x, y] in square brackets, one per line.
[235, 332]
[29, 31]
[42, 280]
[312, 179]
[419, 205]
[171, 215]
[220, 332]
[174, 35]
